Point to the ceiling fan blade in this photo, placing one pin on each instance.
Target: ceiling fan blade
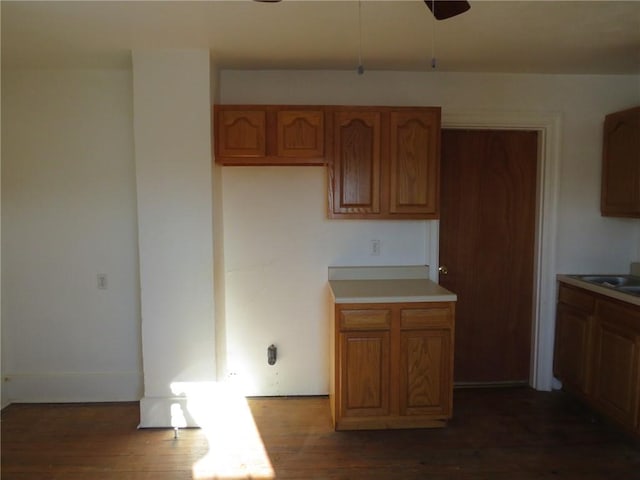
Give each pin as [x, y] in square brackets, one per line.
[443, 9]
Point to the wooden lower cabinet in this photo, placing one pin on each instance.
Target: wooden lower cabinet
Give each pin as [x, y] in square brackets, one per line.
[617, 352]
[572, 353]
[392, 365]
[597, 353]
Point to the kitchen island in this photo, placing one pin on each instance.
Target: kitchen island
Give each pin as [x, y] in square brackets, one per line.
[391, 348]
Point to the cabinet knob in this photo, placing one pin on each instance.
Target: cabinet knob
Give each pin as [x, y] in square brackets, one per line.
[443, 270]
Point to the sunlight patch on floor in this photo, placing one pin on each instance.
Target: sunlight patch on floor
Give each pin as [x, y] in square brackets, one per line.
[236, 449]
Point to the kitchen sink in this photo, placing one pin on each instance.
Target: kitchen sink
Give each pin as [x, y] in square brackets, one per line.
[623, 283]
[633, 289]
[611, 280]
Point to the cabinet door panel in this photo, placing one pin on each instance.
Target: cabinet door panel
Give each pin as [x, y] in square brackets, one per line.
[365, 377]
[572, 348]
[300, 133]
[425, 372]
[356, 168]
[241, 133]
[616, 375]
[413, 162]
[621, 164]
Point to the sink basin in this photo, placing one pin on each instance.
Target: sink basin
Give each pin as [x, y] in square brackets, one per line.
[623, 283]
[611, 280]
[632, 289]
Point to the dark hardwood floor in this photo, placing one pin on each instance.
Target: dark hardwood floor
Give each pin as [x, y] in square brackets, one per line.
[496, 434]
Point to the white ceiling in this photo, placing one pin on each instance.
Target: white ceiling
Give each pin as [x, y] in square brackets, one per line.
[600, 37]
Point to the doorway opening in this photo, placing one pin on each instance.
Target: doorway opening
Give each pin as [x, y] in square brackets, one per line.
[548, 127]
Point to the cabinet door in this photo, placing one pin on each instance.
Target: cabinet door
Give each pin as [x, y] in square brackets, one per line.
[300, 134]
[364, 381]
[355, 173]
[426, 361]
[621, 164]
[413, 156]
[572, 355]
[616, 364]
[241, 133]
[425, 379]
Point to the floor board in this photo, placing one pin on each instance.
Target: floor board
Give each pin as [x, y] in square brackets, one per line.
[496, 434]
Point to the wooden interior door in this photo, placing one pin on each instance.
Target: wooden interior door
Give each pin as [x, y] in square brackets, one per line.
[487, 233]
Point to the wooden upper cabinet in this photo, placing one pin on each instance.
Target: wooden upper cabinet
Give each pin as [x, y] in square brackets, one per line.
[413, 155]
[621, 164]
[269, 135]
[385, 163]
[241, 133]
[356, 163]
[300, 134]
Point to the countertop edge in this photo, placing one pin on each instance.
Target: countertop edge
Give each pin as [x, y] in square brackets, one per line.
[361, 294]
[423, 299]
[607, 292]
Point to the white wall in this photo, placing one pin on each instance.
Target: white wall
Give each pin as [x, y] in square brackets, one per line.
[278, 242]
[172, 131]
[68, 213]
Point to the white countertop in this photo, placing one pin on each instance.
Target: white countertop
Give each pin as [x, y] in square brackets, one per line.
[609, 292]
[394, 284]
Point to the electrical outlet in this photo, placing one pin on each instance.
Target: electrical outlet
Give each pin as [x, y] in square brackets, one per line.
[102, 281]
[375, 248]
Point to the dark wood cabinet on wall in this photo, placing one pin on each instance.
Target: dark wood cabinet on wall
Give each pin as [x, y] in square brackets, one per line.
[621, 164]
[384, 162]
[269, 135]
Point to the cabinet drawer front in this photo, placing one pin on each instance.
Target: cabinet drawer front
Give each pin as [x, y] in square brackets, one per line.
[416, 318]
[576, 298]
[620, 315]
[365, 320]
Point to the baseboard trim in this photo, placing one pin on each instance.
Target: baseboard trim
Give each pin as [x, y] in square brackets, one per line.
[72, 387]
[165, 412]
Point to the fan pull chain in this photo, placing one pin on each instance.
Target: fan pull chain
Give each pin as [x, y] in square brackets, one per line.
[434, 62]
[360, 68]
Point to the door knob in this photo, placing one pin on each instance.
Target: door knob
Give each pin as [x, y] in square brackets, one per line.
[443, 270]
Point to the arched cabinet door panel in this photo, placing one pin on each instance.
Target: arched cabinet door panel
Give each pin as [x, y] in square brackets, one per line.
[268, 135]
